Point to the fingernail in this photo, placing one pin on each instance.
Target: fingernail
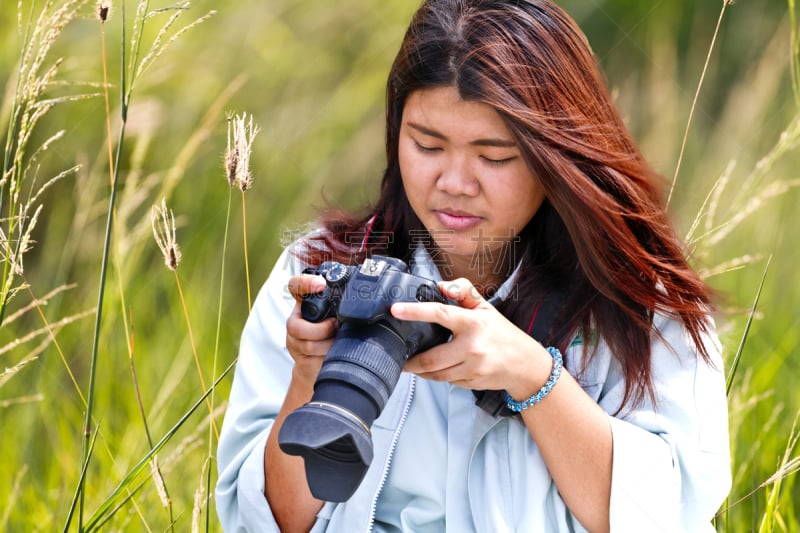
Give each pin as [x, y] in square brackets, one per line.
[398, 309]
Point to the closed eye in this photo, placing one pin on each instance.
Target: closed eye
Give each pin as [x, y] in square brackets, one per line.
[498, 162]
[426, 149]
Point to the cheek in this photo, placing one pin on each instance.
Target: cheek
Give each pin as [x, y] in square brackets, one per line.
[412, 168]
[533, 205]
[403, 160]
[536, 199]
[519, 211]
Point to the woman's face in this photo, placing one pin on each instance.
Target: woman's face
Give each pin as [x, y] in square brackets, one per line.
[465, 178]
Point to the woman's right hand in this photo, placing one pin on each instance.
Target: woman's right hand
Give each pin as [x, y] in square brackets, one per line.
[307, 342]
[285, 485]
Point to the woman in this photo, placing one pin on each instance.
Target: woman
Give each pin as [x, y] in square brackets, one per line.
[511, 178]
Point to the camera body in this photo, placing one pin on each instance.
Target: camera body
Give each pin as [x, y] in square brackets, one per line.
[361, 369]
[363, 295]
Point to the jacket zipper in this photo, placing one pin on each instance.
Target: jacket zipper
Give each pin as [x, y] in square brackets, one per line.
[392, 447]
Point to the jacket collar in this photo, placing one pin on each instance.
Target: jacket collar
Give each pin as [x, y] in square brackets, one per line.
[422, 265]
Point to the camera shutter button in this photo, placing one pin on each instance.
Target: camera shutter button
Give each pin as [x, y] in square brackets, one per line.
[426, 293]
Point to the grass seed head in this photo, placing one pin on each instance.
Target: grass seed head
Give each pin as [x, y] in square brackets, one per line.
[197, 509]
[241, 132]
[158, 479]
[103, 7]
[163, 221]
[231, 157]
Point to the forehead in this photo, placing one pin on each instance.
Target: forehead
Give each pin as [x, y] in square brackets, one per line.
[442, 109]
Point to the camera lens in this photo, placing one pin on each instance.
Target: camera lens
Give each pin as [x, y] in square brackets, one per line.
[332, 432]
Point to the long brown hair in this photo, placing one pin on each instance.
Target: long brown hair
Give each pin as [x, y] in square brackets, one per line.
[601, 245]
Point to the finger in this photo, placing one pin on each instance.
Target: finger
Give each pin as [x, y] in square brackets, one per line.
[452, 317]
[452, 374]
[305, 284]
[442, 363]
[463, 383]
[463, 292]
[308, 349]
[430, 363]
[442, 314]
[309, 339]
[299, 328]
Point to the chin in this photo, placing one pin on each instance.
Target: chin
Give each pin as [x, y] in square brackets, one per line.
[455, 249]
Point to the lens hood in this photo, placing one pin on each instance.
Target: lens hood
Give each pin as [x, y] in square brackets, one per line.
[335, 445]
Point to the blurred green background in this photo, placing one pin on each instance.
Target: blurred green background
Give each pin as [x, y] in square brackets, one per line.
[312, 74]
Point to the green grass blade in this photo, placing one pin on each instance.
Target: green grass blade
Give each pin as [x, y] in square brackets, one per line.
[795, 52]
[124, 501]
[103, 271]
[95, 521]
[738, 356]
[78, 492]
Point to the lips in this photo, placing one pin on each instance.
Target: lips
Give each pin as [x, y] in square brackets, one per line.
[457, 220]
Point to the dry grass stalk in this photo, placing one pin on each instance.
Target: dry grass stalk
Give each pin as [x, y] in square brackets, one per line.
[8, 373]
[241, 133]
[785, 470]
[159, 45]
[54, 326]
[32, 79]
[725, 4]
[193, 440]
[197, 508]
[22, 400]
[158, 480]
[13, 251]
[772, 190]
[13, 495]
[711, 203]
[32, 356]
[163, 221]
[199, 498]
[728, 266]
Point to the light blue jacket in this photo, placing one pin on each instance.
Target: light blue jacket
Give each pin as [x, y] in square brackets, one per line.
[671, 467]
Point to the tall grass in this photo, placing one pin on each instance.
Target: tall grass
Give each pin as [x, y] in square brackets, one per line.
[734, 197]
[165, 341]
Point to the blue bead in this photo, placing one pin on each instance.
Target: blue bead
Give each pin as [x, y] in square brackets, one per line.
[558, 364]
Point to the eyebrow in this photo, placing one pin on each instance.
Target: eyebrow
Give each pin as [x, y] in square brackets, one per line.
[500, 143]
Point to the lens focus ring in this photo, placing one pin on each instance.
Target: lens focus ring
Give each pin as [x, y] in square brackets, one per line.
[378, 350]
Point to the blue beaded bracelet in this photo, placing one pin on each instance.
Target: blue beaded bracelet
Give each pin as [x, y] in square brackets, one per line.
[558, 364]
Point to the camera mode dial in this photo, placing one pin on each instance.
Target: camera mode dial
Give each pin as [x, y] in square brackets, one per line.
[337, 274]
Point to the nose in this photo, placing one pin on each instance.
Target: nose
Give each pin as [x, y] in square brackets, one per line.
[457, 178]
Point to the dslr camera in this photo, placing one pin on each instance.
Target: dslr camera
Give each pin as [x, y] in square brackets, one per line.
[361, 369]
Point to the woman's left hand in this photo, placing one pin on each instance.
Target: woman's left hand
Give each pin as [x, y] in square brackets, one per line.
[487, 351]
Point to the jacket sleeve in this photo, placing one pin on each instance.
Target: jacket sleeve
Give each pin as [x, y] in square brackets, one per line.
[260, 381]
[671, 462]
